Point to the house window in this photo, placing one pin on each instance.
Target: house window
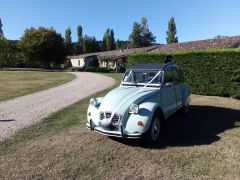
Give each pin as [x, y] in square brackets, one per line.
[78, 62]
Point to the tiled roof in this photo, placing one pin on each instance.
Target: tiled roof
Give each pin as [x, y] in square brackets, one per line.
[219, 43]
[115, 53]
[222, 42]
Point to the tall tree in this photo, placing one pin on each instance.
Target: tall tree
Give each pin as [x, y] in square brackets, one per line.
[68, 41]
[112, 40]
[80, 39]
[42, 46]
[141, 36]
[172, 31]
[90, 44]
[9, 53]
[108, 40]
[118, 44]
[104, 41]
[147, 37]
[79, 32]
[135, 36]
[1, 31]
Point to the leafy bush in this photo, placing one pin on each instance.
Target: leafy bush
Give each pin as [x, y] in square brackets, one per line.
[90, 69]
[42, 46]
[9, 53]
[207, 72]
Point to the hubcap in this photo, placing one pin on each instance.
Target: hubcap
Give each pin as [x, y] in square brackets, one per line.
[155, 129]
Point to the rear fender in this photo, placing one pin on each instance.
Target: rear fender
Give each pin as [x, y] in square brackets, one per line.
[185, 96]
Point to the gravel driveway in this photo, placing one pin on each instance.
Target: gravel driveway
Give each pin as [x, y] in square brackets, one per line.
[22, 111]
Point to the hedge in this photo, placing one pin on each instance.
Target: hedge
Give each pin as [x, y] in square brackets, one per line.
[90, 69]
[206, 72]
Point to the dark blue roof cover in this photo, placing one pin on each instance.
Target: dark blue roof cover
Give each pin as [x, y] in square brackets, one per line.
[149, 66]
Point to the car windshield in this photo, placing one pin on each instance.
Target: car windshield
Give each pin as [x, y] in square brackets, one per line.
[143, 77]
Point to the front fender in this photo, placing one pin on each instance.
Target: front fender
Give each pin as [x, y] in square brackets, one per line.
[145, 114]
[93, 112]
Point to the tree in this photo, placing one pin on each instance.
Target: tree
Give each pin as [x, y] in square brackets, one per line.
[141, 35]
[147, 37]
[172, 31]
[9, 53]
[1, 31]
[42, 46]
[112, 40]
[118, 44]
[80, 40]
[135, 36]
[90, 44]
[68, 41]
[108, 40]
[122, 44]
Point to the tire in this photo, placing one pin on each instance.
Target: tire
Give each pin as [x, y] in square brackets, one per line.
[155, 129]
[185, 109]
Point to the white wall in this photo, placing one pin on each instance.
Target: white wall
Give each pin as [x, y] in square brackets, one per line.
[78, 62]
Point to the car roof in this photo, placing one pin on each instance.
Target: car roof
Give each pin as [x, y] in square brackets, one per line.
[150, 66]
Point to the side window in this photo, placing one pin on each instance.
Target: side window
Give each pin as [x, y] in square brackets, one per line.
[168, 76]
[176, 76]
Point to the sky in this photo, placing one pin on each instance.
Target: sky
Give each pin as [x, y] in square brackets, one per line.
[195, 19]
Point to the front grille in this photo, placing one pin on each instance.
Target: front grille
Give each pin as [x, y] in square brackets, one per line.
[102, 116]
[108, 115]
[115, 119]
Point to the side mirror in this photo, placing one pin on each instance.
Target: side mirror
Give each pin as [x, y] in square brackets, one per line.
[168, 84]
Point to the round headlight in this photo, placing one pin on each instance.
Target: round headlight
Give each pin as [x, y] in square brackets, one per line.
[133, 108]
[93, 101]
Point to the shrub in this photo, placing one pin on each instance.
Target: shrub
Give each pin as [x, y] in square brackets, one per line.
[207, 72]
[90, 69]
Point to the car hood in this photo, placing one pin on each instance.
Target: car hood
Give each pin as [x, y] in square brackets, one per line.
[119, 99]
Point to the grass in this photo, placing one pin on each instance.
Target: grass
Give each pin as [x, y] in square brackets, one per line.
[63, 119]
[203, 145]
[19, 83]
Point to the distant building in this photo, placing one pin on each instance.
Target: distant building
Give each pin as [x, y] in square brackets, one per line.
[114, 59]
[109, 59]
[85, 60]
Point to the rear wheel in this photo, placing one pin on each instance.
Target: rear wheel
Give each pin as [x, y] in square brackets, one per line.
[185, 109]
[155, 129]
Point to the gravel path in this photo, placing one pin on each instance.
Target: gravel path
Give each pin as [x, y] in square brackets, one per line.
[22, 111]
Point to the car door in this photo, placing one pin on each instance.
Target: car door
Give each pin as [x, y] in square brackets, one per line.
[168, 93]
[178, 84]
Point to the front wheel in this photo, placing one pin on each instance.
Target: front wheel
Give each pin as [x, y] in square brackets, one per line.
[154, 131]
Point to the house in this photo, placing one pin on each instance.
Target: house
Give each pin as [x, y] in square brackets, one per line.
[85, 60]
[109, 59]
[114, 59]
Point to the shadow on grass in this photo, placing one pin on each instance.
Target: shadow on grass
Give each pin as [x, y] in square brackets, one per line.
[6, 120]
[200, 127]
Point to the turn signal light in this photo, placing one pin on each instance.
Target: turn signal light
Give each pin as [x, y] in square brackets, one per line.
[140, 123]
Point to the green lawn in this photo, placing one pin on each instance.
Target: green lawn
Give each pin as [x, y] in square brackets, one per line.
[19, 83]
[203, 145]
[55, 123]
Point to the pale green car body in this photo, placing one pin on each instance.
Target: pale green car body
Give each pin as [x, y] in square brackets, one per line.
[166, 98]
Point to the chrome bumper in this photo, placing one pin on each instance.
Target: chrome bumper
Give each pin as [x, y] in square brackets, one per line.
[121, 133]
